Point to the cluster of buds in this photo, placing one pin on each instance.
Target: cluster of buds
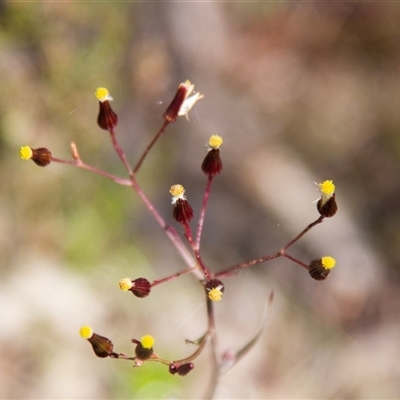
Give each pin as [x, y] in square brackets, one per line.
[144, 351]
[183, 101]
[180, 369]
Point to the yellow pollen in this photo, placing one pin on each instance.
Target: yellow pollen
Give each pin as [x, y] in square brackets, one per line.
[102, 94]
[328, 262]
[86, 332]
[125, 284]
[215, 141]
[25, 152]
[177, 190]
[215, 294]
[327, 188]
[147, 341]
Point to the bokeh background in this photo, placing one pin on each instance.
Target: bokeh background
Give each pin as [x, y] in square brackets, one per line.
[300, 92]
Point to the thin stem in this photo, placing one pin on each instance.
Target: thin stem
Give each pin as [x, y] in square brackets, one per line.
[295, 260]
[316, 222]
[281, 253]
[120, 152]
[196, 353]
[159, 133]
[230, 271]
[172, 277]
[215, 374]
[80, 164]
[202, 213]
[203, 267]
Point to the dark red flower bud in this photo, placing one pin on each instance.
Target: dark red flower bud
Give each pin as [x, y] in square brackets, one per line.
[106, 119]
[212, 164]
[140, 287]
[183, 212]
[41, 156]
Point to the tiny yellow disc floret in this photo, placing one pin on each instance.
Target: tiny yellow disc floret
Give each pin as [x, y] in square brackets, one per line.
[215, 294]
[177, 190]
[102, 94]
[147, 341]
[328, 262]
[86, 332]
[215, 141]
[125, 284]
[327, 188]
[25, 152]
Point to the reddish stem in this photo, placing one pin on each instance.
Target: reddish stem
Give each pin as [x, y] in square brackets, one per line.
[295, 260]
[232, 270]
[316, 222]
[202, 213]
[120, 152]
[172, 277]
[80, 164]
[139, 164]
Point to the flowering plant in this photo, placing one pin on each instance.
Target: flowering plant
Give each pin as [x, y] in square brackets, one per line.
[187, 245]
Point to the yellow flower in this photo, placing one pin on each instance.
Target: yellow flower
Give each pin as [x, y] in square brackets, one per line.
[86, 332]
[321, 268]
[215, 289]
[102, 94]
[326, 205]
[215, 142]
[147, 341]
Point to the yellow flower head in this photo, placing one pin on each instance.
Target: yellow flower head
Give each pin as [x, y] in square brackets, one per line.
[177, 192]
[320, 268]
[328, 262]
[215, 142]
[215, 289]
[125, 284]
[147, 341]
[215, 294]
[25, 152]
[86, 332]
[327, 189]
[327, 205]
[102, 95]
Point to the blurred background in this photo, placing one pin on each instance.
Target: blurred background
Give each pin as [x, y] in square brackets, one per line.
[300, 93]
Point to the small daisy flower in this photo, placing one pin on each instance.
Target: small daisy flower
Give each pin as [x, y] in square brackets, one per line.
[40, 156]
[320, 269]
[183, 212]
[212, 164]
[144, 347]
[102, 346]
[106, 119]
[326, 205]
[215, 289]
[140, 287]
